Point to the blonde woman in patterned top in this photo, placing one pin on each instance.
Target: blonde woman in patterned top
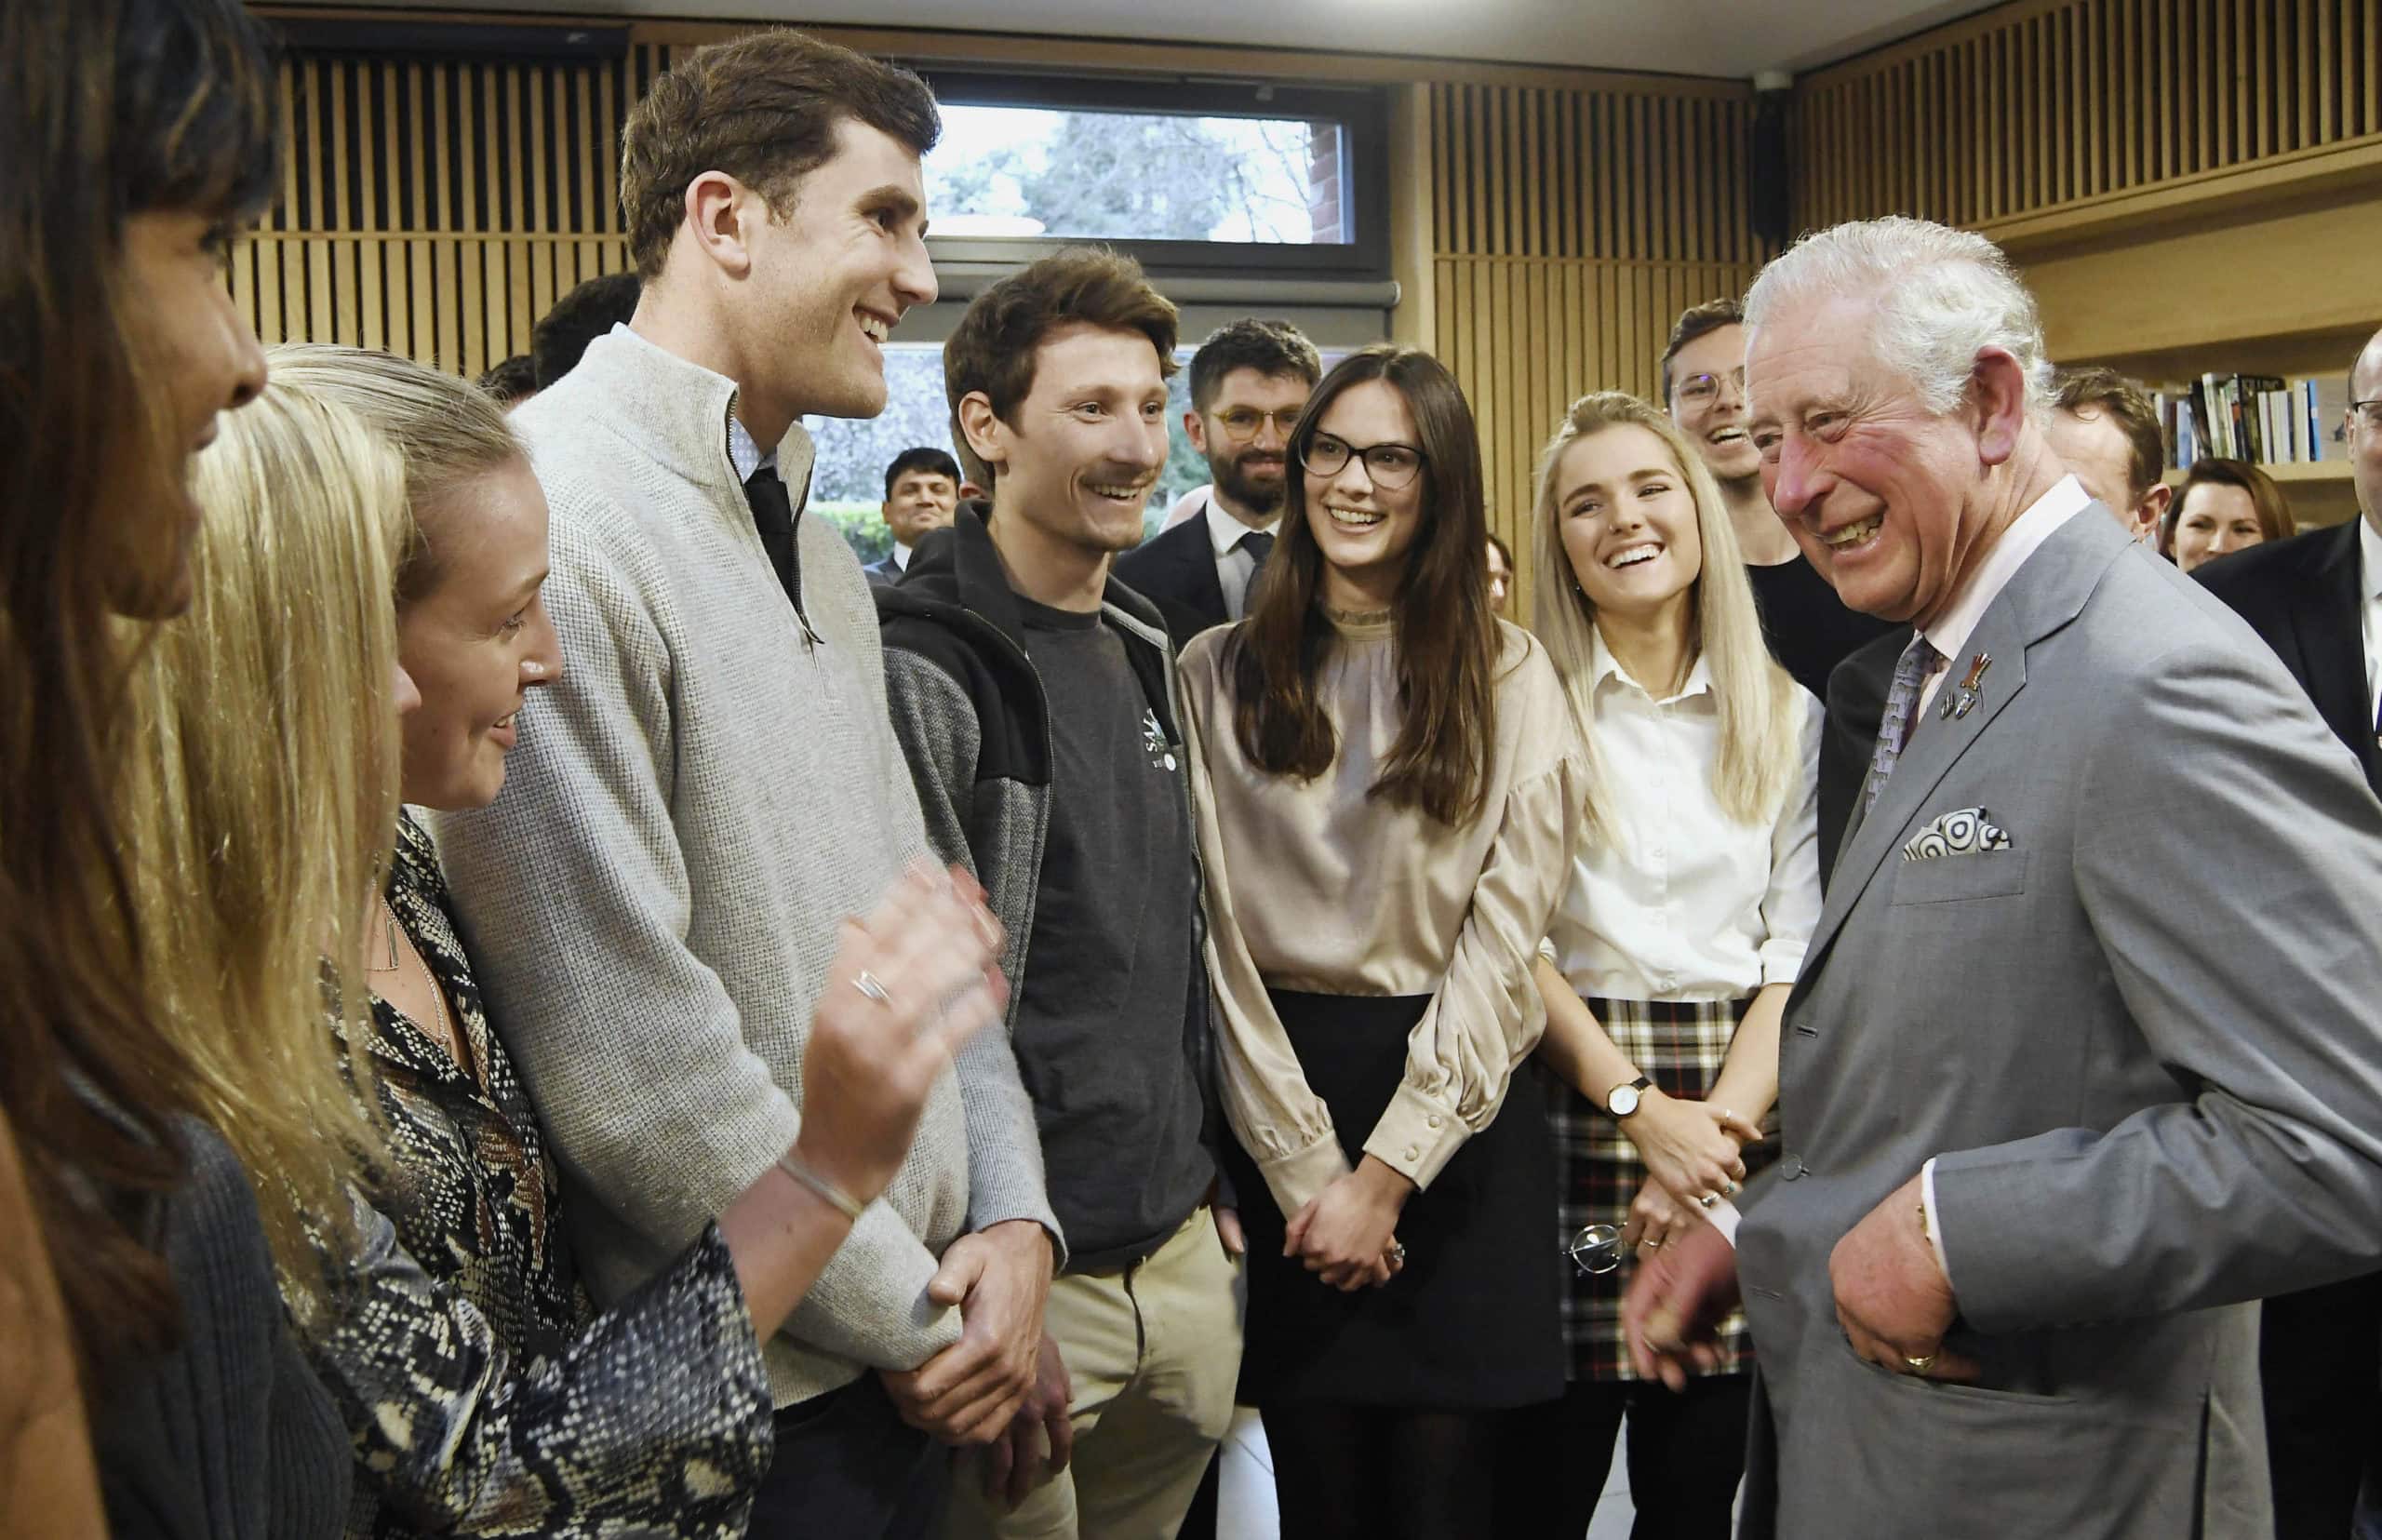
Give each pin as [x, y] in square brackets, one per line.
[483, 1394]
[1680, 931]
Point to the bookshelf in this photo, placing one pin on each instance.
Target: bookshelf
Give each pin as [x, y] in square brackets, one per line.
[2281, 289]
[2320, 479]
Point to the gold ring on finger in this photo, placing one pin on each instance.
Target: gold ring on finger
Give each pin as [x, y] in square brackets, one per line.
[1919, 1366]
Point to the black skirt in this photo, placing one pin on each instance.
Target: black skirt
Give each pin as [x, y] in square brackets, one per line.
[1473, 1321]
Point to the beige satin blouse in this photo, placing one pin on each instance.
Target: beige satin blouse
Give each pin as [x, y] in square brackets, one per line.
[1316, 886]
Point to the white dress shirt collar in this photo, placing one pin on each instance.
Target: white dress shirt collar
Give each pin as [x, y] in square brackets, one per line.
[2026, 535]
[900, 557]
[1603, 668]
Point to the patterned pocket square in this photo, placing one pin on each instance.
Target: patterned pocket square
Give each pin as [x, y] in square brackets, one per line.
[1954, 834]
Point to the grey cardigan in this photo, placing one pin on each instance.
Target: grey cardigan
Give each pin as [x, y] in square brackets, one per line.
[227, 1436]
[653, 901]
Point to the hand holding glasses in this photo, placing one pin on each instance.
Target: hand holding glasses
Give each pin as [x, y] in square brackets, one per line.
[1596, 1251]
[1388, 466]
[1599, 1248]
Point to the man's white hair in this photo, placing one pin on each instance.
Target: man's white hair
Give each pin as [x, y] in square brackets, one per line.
[1940, 294]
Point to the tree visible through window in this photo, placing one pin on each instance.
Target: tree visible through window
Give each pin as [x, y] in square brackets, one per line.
[1086, 175]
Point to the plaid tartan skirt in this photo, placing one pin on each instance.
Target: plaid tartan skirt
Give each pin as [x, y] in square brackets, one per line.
[1680, 1045]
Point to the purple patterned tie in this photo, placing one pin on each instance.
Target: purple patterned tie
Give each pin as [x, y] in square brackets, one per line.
[1917, 660]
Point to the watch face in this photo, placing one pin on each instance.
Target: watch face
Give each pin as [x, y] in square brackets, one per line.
[1623, 1101]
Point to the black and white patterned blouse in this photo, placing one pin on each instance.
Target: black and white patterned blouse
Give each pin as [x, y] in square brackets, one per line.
[484, 1394]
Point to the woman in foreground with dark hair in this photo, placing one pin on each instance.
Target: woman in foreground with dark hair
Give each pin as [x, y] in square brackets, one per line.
[138, 137]
[1388, 798]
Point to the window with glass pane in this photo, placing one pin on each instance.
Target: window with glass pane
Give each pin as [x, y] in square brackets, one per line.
[1093, 174]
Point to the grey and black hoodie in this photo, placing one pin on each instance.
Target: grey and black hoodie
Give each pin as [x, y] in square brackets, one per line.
[974, 720]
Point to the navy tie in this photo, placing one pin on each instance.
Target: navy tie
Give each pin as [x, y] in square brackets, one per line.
[773, 517]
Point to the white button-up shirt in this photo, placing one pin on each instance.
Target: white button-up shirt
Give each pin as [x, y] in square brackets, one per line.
[2369, 586]
[1680, 901]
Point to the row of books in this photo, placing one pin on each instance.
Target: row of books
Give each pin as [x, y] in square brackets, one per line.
[2255, 417]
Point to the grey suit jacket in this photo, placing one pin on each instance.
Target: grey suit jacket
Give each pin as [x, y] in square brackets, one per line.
[2142, 1043]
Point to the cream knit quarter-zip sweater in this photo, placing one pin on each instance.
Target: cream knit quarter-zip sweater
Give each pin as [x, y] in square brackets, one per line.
[653, 901]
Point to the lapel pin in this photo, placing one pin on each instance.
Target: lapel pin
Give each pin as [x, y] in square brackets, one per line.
[1977, 666]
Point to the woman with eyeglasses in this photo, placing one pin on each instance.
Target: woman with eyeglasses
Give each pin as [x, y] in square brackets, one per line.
[1388, 795]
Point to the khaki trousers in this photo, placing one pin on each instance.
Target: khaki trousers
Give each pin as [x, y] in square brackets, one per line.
[1154, 1352]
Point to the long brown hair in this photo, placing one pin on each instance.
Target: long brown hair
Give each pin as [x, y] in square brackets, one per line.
[110, 108]
[1446, 636]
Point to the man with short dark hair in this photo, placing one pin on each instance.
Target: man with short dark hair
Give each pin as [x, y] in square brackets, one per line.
[1249, 382]
[1032, 693]
[714, 789]
[921, 490]
[511, 382]
[2105, 430]
[1809, 628]
[2317, 600]
[560, 338]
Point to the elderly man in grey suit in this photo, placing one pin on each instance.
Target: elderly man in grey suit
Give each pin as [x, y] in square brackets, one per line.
[2082, 1057]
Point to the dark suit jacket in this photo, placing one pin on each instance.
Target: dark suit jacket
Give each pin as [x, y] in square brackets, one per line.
[881, 574]
[2301, 596]
[1177, 572]
[1856, 704]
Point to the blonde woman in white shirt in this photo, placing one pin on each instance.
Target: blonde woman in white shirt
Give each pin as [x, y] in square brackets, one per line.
[1670, 959]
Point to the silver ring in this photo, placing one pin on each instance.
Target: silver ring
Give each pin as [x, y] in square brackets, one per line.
[866, 983]
[1707, 1199]
[1398, 1252]
[1649, 1245]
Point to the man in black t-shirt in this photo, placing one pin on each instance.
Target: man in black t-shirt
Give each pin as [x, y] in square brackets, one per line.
[1809, 629]
[1033, 697]
[1703, 384]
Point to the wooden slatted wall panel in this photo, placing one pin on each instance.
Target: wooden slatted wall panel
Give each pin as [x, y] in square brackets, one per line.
[2046, 104]
[1569, 230]
[436, 208]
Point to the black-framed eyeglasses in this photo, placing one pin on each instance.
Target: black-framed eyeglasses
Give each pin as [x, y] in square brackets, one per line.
[2369, 413]
[1386, 465]
[1702, 390]
[1242, 424]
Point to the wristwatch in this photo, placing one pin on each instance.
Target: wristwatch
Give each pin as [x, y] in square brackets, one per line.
[1621, 1100]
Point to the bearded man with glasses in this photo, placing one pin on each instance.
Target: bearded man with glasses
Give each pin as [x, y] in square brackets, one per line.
[1249, 382]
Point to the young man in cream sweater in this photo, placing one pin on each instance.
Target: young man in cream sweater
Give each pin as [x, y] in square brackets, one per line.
[715, 786]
